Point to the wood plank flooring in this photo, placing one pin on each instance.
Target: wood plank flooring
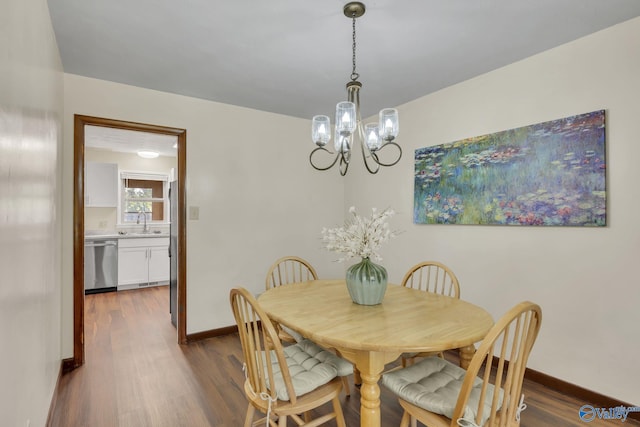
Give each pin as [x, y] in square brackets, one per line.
[136, 375]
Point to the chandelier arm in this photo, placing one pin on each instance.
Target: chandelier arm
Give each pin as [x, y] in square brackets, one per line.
[344, 166]
[321, 168]
[344, 162]
[396, 160]
[366, 162]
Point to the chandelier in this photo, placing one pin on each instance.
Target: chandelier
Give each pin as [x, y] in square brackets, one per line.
[349, 129]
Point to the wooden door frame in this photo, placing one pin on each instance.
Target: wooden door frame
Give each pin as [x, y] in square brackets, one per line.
[78, 223]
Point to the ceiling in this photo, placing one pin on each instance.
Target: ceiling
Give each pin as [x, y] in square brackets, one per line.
[129, 141]
[293, 57]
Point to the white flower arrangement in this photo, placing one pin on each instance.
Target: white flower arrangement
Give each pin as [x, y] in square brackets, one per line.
[360, 236]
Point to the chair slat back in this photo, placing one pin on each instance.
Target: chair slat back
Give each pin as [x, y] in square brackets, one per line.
[501, 361]
[289, 269]
[432, 276]
[260, 344]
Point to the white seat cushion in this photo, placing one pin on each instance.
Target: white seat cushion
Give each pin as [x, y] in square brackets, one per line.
[344, 367]
[307, 372]
[434, 384]
[295, 335]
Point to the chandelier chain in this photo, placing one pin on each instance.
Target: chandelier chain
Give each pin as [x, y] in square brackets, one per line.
[354, 75]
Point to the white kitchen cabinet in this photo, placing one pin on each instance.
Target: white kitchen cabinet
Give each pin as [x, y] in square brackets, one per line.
[143, 262]
[133, 266]
[101, 185]
[159, 263]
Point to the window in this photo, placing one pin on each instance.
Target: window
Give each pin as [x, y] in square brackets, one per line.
[143, 194]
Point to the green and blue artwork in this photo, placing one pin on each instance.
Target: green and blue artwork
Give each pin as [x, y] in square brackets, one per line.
[546, 174]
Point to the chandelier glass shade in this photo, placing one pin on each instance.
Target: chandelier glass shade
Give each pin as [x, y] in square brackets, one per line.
[349, 129]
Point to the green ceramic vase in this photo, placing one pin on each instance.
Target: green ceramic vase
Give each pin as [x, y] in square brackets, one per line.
[366, 282]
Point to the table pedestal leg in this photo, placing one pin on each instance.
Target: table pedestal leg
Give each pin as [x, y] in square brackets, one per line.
[466, 354]
[370, 401]
[370, 366]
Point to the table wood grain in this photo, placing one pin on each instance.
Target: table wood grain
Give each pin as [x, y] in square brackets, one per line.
[408, 320]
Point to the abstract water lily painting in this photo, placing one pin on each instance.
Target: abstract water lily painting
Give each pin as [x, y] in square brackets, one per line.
[546, 174]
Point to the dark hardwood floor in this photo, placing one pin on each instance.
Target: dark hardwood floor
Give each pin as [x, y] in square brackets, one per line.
[136, 375]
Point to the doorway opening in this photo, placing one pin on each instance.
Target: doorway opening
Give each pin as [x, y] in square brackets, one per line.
[80, 122]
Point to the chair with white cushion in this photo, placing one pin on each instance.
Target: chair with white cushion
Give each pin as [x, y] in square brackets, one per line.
[293, 269]
[430, 276]
[439, 393]
[282, 382]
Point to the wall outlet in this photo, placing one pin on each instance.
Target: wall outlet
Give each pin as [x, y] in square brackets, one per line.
[102, 224]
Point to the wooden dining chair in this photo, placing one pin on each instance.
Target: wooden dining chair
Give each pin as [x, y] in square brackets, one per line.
[430, 276]
[285, 270]
[293, 269]
[289, 269]
[439, 393]
[281, 382]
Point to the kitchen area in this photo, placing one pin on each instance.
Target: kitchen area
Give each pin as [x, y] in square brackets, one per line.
[117, 262]
[129, 177]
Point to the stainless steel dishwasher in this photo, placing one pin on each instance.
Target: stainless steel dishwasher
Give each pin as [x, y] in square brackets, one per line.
[100, 265]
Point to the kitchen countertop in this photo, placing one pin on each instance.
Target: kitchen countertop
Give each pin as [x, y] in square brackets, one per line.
[124, 236]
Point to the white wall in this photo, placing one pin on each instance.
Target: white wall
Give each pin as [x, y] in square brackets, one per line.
[248, 173]
[30, 142]
[585, 279]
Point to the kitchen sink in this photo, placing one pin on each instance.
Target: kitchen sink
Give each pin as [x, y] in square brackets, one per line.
[142, 234]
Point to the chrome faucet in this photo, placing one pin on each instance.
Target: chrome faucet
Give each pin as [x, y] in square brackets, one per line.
[145, 228]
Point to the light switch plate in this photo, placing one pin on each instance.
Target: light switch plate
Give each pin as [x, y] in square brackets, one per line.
[194, 212]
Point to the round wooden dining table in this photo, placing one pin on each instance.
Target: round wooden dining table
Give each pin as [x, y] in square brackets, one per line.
[408, 320]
